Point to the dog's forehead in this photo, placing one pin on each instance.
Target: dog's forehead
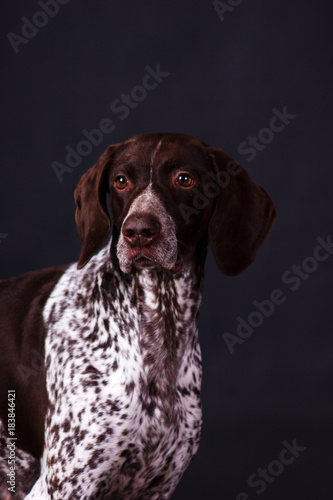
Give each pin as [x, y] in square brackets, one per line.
[152, 149]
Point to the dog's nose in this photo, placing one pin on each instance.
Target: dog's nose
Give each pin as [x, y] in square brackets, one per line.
[140, 230]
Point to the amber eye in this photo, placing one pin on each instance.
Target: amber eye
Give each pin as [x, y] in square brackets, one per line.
[184, 180]
[120, 182]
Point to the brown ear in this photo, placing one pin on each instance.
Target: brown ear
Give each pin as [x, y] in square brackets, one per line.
[92, 218]
[243, 217]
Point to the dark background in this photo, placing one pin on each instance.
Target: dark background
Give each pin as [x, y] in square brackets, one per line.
[225, 79]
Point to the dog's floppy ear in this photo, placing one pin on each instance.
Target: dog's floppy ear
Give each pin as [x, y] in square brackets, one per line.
[92, 218]
[243, 216]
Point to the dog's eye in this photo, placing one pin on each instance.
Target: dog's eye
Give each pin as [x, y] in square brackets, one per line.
[120, 182]
[184, 180]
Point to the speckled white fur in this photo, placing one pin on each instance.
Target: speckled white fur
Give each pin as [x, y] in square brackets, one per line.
[77, 462]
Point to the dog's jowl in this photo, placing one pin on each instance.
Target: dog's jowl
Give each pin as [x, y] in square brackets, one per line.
[112, 410]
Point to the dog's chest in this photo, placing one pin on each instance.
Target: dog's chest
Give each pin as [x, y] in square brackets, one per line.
[123, 376]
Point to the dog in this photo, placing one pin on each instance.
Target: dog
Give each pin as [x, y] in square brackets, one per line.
[102, 356]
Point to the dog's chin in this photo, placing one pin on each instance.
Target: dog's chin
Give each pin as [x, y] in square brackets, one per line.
[141, 262]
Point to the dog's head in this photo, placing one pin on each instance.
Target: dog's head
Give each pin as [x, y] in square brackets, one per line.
[168, 194]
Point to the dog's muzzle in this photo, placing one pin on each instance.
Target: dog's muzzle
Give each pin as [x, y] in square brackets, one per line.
[148, 236]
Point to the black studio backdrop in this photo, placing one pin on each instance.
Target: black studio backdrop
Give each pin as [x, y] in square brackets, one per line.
[255, 78]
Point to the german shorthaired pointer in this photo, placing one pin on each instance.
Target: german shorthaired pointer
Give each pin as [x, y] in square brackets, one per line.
[103, 355]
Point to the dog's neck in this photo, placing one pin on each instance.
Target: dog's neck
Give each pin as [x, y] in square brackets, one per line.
[167, 308]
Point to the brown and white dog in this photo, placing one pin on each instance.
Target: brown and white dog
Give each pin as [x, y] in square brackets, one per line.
[103, 355]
